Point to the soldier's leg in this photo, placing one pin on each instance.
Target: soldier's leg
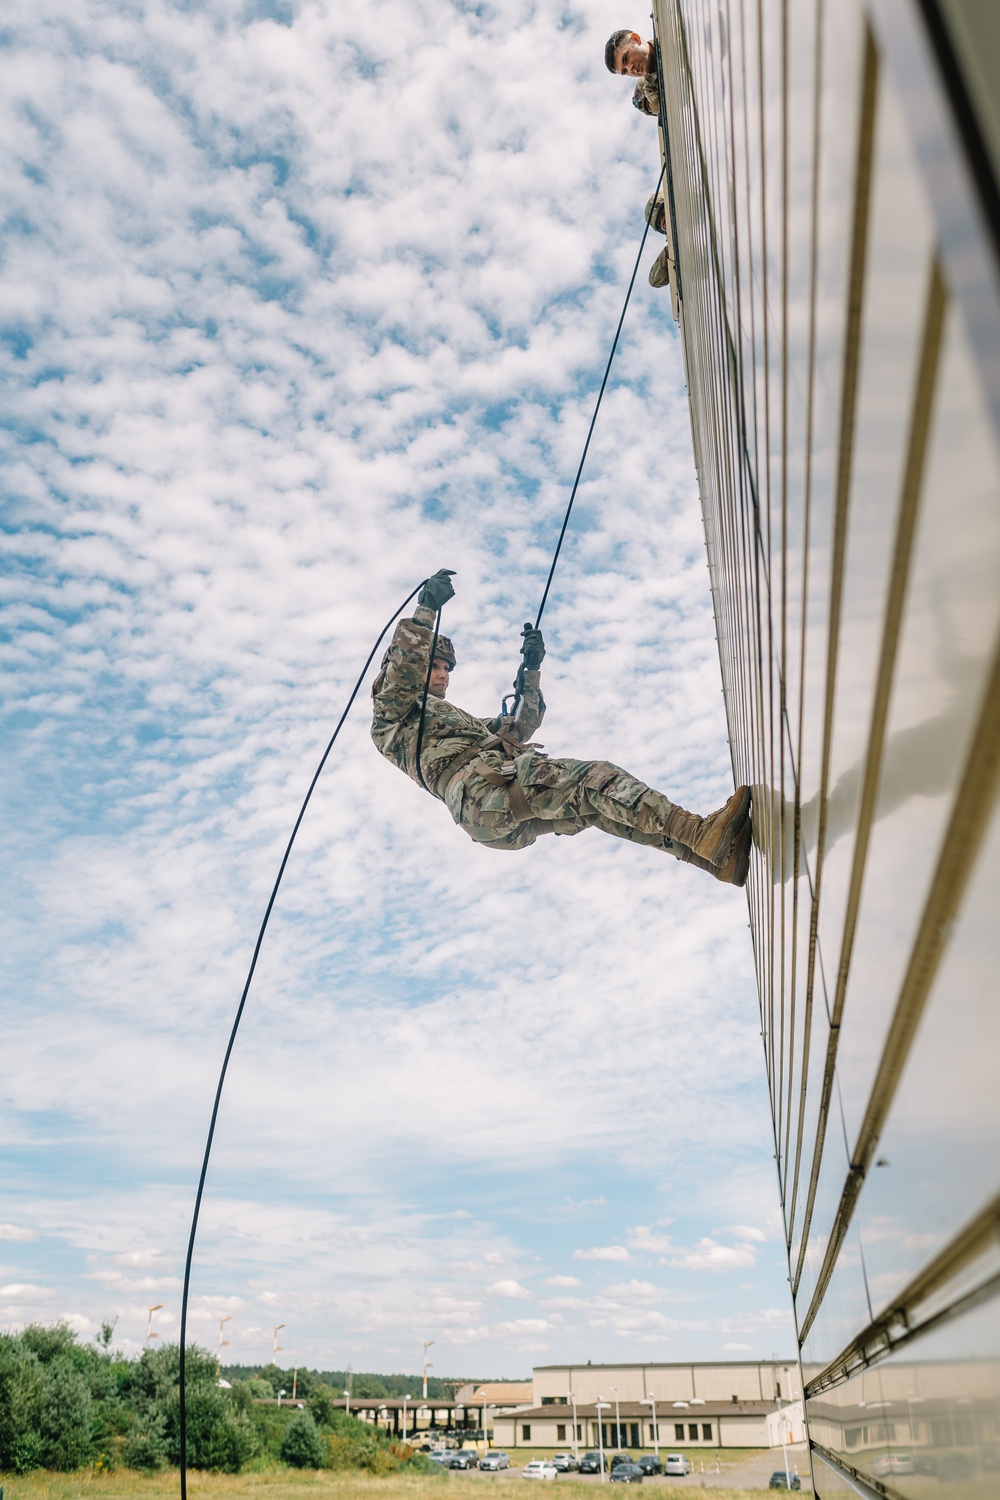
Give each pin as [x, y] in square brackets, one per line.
[625, 806]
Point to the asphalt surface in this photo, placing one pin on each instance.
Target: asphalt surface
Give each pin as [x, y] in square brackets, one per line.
[749, 1474]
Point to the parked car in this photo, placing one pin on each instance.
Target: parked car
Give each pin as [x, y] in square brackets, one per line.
[618, 1458]
[539, 1468]
[650, 1464]
[494, 1460]
[465, 1458]
[893, 1463]
[440, 1456]
[590, 1463]
[780, 1480]
[628, 1473]
[564, 1462]
[676, 1463]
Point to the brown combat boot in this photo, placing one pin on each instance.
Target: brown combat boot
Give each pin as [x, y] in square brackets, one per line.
[713, 838]
[737, 866]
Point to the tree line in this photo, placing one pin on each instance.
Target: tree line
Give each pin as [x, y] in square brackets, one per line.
[67, 1405]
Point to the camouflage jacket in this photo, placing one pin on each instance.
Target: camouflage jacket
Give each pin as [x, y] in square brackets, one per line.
[646, 97]
[448, 730]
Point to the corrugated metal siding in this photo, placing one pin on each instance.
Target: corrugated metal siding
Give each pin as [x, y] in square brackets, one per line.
[838, 299]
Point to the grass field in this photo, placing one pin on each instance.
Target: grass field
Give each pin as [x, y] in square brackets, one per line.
[284, 1484]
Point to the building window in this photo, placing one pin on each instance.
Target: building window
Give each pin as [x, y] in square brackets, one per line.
[551, 1401]
[706, 1431]
[560, 1432]
[678, 1432]
[526, 1432]
[579, 1432]
[693, 1431]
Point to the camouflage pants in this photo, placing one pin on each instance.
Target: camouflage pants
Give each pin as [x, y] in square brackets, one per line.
[565, 796]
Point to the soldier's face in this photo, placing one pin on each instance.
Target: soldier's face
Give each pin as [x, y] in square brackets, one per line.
[438, 684]
[634, 56]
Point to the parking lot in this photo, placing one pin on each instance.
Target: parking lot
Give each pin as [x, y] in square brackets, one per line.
[748, 1473]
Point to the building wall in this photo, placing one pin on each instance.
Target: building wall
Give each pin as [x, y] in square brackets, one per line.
[835, 224]
[749, 1381]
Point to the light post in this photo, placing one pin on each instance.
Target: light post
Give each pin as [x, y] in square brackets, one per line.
[484, 1419]
[601, 1405]
[650, 1400]
[223, 1343]
[149, 1320]
[784, 1446]
[280, 1394]
[405, 1399]
[576, 1447]
[428, 1344]
[347, 1392]
[618, 1421]
[911, 1397]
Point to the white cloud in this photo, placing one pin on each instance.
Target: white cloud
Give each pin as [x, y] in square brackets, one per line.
[17, 1232]
[738, 1348]
[746, 1232]
[603, 1252]
[563, 1281]
[508, 1289]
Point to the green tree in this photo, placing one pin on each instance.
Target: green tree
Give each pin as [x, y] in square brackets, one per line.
[65, 1416]
[321, 1405]
[302, 1446]
[21, 1381]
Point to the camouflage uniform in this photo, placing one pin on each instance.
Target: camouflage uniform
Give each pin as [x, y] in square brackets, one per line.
[656, 218]
[646, 97]
[496, 785]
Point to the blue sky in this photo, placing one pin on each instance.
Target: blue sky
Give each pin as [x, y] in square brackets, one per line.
[299, 305]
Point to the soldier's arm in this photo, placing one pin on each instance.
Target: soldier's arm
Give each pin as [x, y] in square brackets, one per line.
[532, 709]
[406, 670]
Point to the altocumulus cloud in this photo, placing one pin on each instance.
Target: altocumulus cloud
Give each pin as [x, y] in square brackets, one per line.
[298, 305]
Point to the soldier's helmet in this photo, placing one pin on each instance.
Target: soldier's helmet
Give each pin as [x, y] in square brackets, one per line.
[444, 648]
[654, 207]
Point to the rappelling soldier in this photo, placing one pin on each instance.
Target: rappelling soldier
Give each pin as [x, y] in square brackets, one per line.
[656, 218]
[628, 54]
[500, 787]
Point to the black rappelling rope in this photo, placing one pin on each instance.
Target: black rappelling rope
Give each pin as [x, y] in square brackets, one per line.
[298, 821]
[236, 1025]
[597, 407]
[519, 679]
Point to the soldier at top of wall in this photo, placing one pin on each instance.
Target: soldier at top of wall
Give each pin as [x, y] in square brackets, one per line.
[627, 53]
[499, 786]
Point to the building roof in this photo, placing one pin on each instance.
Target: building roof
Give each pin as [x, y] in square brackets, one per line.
[665, 1410]
[672, 1364]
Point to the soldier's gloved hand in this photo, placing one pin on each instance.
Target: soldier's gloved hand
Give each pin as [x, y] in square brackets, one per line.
[437, 590]
[533, 647]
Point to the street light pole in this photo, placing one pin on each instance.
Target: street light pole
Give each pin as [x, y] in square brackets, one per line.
[601, 1405]
[650, 1400]
[576, 1446]
[618, 1421]
[223, 1343]
[784, 1447]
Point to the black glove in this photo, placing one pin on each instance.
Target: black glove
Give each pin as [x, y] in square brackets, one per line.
[437, 590]
[533, 647]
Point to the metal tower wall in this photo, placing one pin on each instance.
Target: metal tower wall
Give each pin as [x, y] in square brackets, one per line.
[834, 213]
